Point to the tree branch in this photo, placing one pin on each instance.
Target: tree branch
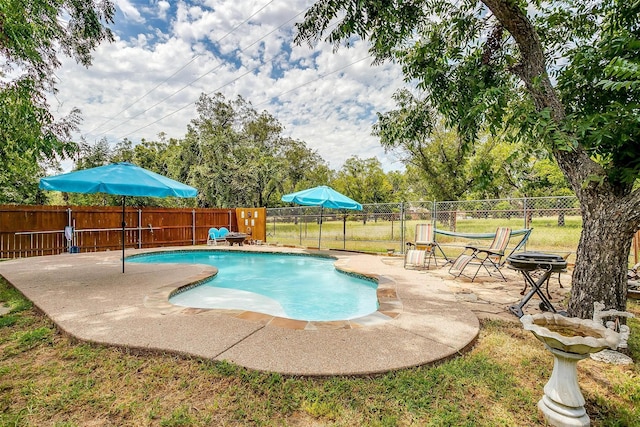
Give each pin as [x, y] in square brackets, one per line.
[531, 69]
[575, 163]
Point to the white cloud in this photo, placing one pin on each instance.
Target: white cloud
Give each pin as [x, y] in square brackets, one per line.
[163, 8]
[325, 99]
[130, 12]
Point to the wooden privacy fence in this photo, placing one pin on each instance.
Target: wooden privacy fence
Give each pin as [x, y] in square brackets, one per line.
[27, 231]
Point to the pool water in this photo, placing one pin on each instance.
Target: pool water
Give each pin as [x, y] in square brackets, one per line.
[291, 286]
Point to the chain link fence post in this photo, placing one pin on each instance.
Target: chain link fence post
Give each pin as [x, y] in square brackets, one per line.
[402, 230]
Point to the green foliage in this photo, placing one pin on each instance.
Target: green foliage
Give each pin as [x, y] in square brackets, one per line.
[35, 31]
[500, 169]
[236, 156]
[414, 132]
[33, 34]
[363, 180]
[29, 140]
[19, 177]
[473, 70]
[601, 91]
[626, 73]
[449, 169]
[545, 179]
[26, 126]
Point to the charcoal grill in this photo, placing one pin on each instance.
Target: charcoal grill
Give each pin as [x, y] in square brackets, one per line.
[527, 263]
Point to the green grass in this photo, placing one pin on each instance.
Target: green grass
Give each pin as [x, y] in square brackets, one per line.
[47, 379]
[378, 236]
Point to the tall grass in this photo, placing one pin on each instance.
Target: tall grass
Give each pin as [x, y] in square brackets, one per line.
[46, 379]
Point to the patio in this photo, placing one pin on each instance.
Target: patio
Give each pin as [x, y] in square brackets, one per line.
[424, 317]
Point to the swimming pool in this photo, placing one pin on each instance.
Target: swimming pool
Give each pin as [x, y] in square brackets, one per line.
[293, 286]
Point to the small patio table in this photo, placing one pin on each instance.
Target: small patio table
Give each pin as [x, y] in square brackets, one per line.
[238, 238]
[527, 263]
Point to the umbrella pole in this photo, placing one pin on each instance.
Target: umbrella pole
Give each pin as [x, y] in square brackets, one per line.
[344, 232]
[124, 224]
[320, 234]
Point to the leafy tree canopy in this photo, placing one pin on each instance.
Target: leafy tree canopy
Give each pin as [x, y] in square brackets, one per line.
[471, 65]
[33, 33]
[237, 156]
[363, 180]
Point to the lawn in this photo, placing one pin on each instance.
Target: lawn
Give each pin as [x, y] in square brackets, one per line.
[378, 236]
[48, 379]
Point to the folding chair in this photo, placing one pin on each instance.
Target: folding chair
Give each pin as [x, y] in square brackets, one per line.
[416, 258]
[425, 242]
[489, 258]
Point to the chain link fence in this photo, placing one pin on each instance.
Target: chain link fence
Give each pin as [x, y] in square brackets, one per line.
[374, 228]
[387, 227]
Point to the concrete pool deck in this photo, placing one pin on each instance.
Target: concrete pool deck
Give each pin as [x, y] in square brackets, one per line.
[424, 317]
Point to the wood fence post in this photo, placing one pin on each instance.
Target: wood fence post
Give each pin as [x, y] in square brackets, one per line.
[139, 228]
[193, 227]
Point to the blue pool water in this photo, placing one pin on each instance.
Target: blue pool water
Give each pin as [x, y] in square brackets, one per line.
[290, 286]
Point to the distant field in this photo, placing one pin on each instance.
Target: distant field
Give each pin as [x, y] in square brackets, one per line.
[379, 236]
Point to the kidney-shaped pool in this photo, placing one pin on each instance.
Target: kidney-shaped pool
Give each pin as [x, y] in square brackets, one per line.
[301, 287]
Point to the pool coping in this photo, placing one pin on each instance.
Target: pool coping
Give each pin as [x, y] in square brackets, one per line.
[88, 297]
[389, 306]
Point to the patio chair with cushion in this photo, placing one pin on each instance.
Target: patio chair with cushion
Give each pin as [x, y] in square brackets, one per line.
[489, 258]
[217, 236]
[222, 235]
[426, 243]
[212, 235]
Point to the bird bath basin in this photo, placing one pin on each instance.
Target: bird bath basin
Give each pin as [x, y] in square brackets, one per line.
[570, 340]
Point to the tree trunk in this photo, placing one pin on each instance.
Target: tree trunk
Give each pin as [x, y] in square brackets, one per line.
[600, 272]
[609, 213]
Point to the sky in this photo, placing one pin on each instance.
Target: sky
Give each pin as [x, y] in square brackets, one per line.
[167, 54]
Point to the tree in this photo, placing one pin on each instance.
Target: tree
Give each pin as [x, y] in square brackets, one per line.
[488, 65]
[305, 168]
[236, 156]
[400, 191]
[363, 180]
[544, 179]
[19, 180]
[92, 156]
[416, 132]
[32, 35]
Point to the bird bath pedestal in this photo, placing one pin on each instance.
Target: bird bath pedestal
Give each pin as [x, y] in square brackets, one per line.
[569, 339]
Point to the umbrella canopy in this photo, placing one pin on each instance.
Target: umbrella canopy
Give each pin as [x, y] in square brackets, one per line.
[325, 197]
[122, 179]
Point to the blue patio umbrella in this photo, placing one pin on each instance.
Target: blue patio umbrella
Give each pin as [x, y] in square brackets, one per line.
[325, 197]
[121, 179]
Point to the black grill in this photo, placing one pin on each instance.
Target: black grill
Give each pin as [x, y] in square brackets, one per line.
[530, 261]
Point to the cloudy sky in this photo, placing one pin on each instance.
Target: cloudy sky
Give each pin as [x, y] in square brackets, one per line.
[168, 53]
